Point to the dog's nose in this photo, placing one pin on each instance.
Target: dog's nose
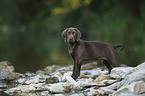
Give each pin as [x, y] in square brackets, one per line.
[71, 37]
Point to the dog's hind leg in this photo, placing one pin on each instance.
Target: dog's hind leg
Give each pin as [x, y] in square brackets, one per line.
[107, 64]
[113, 61]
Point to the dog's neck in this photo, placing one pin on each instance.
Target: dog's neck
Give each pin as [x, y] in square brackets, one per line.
[72, 47]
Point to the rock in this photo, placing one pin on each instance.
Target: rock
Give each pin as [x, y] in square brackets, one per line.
[77, 94]
[120, 72]
[23, 89]
[89, 66]
[6, 72]
[84, 82]
[110, 89]
[129, 94]
[29, 89]
[58, 75]
[70, 79]
[13, 76]
[40, 71]
[59, 95]
[68, 88]
[20, 80]
[107, 91]
[133, 83]
[29, 74]
[38, 78]
[65, 74]
[5, 69]
[43, 93]
[59, 87]
[134, 79]
[123, 65]
[108, 82]
[94, 92]
[51, 80]
[6, 66]
[102, 77]
[93, 73]
[114, 86]
[137, 74]
[135, 88]
[32, 80]
[140, 67]
[84, 76]
[2, 85]
[52, 68]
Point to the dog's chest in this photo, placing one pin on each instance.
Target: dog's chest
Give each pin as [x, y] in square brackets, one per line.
[70, 52]
[71, 48]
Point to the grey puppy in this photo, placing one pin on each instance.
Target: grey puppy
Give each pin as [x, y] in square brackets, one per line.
[81, 50]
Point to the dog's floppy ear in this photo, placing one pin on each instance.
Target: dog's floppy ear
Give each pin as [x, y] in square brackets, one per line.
[78, 35]
[64, 33]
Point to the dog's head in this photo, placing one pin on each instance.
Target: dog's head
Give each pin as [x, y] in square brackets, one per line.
[71, 35]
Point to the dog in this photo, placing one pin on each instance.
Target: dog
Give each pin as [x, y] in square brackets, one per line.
[81, 50]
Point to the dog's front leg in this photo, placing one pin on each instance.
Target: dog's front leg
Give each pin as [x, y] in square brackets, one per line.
[76, 68]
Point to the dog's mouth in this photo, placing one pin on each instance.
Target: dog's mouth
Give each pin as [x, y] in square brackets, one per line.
[71, 40]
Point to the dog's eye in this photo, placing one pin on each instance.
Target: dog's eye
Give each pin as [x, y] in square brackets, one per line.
[69, 32]
[73, 33]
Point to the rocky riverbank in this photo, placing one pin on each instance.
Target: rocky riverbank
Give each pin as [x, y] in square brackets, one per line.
[57, 81]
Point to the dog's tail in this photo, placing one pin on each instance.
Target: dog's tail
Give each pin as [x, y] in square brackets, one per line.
[118, 45]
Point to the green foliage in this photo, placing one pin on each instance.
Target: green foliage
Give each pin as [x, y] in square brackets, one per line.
[30, 30]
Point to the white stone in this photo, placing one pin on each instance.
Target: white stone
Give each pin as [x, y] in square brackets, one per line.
[65, 74]
[32, 80]
[59, 87]
[70, 79]
[58, 75]
[120, 72]
[135, 88]
[108, 81]
[83, 82]
[23, 88]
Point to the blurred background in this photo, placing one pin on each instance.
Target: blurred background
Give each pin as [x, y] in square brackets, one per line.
[30, 30]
